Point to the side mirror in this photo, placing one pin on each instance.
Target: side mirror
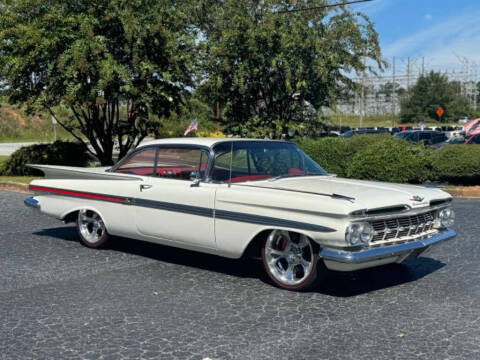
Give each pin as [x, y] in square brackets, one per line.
[196, 178]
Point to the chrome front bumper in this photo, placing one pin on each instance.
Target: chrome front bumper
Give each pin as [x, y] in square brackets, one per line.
[344, 260]
[32, 202]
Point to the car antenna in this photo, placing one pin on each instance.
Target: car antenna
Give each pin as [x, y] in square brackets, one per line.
[231, 163]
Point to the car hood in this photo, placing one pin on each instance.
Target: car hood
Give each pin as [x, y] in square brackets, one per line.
[361, 194]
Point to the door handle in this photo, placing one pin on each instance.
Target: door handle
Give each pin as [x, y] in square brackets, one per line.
[145, 187]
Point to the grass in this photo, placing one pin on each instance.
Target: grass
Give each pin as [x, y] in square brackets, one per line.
[16, 125]
[18, 179]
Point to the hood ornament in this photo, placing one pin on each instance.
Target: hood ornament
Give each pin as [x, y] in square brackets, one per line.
[417, 198]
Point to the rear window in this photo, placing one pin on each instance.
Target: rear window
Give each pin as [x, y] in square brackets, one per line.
[140, 163]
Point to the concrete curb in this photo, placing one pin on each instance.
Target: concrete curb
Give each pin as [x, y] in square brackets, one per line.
[14, 186]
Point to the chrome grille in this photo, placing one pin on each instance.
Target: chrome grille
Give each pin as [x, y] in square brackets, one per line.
[401, 228]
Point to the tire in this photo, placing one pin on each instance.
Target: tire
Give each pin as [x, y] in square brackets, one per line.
[91, 229]
[291, 261]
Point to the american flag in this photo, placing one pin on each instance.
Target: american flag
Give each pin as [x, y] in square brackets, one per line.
[193, 126]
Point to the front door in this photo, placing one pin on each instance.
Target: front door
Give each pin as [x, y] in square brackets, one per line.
[169, 206]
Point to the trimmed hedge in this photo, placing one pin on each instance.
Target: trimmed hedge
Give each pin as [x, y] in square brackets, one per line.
[57, 153]
[331, 153]
[386, 158]
[457, 164]
[392, 160]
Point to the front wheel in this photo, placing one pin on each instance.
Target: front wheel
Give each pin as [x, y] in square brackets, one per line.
[91, 229]
[291, 260]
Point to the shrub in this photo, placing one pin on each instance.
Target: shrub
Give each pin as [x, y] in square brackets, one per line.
[335, 153]
[330, 153]
[57, 153]
[360, 142]
[391, 159]
[457, 164]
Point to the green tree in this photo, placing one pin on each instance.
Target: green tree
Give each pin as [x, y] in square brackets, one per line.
[102, 67]
[431, 91]
[266, 66]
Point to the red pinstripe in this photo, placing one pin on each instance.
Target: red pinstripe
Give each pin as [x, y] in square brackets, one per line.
[77, 194]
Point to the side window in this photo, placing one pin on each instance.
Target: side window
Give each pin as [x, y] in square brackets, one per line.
[221, 166]
[243, 163]
[181, 163]
[140, 163]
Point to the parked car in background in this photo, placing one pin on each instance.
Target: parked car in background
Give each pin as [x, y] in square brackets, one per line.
[475, 139]
[452, 130]
[454, 140]
[404, 127]
[433, 128]
[463, 120]
[364, 131]
[428, 137]
[327, 134]
[239, 197]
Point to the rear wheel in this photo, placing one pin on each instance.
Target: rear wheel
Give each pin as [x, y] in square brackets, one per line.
[91, 229]
[291, 260]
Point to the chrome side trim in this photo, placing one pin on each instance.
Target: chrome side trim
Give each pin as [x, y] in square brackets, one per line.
[186, 209]
[362, 256]
[31, 202]
[269, 221]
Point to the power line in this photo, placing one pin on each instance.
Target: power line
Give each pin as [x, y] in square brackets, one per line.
[321, 7]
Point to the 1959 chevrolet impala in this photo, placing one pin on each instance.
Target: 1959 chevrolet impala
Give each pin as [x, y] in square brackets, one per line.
[240, 197]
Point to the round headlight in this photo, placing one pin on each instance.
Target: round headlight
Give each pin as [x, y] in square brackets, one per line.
[446, 217]
[359, 233]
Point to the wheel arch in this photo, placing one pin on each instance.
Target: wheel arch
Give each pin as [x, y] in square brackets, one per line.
[254, 245]
[70, 217]
[72, 214]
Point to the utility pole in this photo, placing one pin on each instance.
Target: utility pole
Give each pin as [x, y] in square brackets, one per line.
[423, 65]
[393, 97]
[408, 73]
[362, 105]
[475, 89]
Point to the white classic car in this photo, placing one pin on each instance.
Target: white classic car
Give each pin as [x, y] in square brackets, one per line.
[240, 197]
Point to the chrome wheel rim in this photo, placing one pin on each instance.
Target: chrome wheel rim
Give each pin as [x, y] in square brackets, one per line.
[289, 257]
[91, 226]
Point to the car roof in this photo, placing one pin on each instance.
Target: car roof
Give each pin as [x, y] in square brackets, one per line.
[198, 141]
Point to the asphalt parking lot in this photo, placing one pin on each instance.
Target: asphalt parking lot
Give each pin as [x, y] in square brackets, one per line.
[60, 300]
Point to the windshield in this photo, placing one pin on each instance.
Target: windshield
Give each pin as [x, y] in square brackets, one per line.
[260, 160]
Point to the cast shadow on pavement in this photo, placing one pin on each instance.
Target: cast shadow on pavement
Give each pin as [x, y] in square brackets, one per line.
[347, 284]
[337, 284]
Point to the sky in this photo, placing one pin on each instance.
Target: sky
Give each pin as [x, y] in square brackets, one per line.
[439, 30]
